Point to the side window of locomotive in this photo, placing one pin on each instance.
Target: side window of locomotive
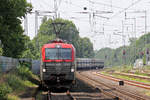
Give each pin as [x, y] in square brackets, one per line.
[65, 53]
[51, 53]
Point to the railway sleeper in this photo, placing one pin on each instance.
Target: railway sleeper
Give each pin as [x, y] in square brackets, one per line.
[105, 91]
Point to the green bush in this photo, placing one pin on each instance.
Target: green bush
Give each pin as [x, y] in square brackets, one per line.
[26, 64]
[4, 90]
[126, 69]
[15, 82]
[1, 51]
[13, 97]
[24, 73]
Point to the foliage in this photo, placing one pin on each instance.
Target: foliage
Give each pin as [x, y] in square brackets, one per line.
[11, 32]
[12, 97]
[105, 53]
[24, 73]
[16, 82]
[4, 90]
[27, 53]
[131, 78]
[1, 51]
[136, 50]
[68, 31]
[144, 60]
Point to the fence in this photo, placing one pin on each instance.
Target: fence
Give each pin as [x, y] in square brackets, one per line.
[36, 66]
[8, 63]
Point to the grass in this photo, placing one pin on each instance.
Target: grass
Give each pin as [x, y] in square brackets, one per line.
[104, 72]
[126, 77]
[16, 82]
[142, 74]
[126, 69]
[130, 78]
[146, 92]
[147, 67]
[5, 89]
[38, 97]
[145, 71]
[12, 97]
[29, 84]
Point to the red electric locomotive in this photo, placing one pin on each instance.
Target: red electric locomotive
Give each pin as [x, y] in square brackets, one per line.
[57, 64]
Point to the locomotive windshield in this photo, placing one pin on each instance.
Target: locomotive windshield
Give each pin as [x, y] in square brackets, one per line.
[57, 53]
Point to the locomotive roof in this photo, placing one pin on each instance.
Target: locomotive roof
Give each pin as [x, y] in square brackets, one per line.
[58, 42]
[89, 59]
[53, 45]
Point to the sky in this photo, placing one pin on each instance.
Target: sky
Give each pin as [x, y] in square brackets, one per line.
[107, 28]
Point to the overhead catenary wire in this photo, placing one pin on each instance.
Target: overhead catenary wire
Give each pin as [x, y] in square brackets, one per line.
[73, 4]
[108, 5]
[125, 8]
[45, 3]
[39, 4]
[96, 2]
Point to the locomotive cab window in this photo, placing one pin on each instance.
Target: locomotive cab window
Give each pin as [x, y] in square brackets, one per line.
[58, 53]
[51, 53]
[65, 53]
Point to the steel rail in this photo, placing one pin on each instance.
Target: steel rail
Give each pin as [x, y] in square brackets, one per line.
[90, 82]
[70, 96]
[129, 82]
[121, 91]
[49, 96]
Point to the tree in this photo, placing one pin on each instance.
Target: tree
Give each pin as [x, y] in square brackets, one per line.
[136, 50]
[11, 32]
[68, 31]
[28, 50]
[85, 48]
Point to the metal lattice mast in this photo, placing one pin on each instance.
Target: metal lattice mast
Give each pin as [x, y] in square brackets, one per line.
[26, 24]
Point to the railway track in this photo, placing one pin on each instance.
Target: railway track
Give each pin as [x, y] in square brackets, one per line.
[59, 96]
[82, 91]
[133, 75]
[113, 91]
[95, 84]
[133, 83]
[49, 97]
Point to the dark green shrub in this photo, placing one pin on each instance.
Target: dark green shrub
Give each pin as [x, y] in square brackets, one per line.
[24, 73]
[144, 60]
[26, 64]
[1, 51]
[4, 90]
[15, 82]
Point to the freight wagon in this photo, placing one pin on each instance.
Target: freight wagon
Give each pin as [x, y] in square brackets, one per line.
[89, 63]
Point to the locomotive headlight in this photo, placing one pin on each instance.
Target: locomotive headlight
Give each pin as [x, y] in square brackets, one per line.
[72, 70]
[44, 70]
